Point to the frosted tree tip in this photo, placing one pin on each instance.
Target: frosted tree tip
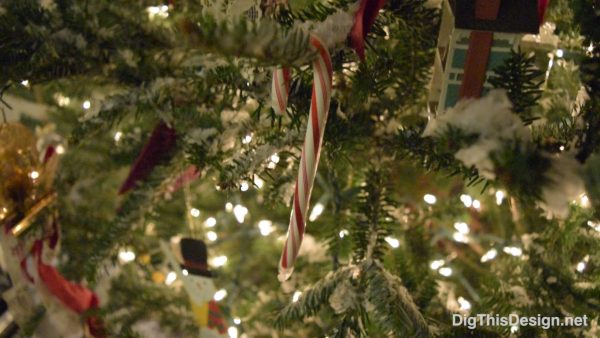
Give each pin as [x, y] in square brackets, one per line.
[284, 274]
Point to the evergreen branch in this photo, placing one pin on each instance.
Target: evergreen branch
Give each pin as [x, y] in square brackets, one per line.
[314, 298]
[373, 220]
[135, 205]
[393, 306]
[265, 41]
[521, 79]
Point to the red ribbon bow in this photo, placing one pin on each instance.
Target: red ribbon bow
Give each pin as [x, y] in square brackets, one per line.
[363, 21]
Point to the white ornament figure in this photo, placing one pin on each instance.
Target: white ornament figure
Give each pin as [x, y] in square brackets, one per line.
[189, 259]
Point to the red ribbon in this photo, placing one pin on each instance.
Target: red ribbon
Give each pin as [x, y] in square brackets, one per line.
[74, 296]
[161, 142]
[363, 21]
[542, 4]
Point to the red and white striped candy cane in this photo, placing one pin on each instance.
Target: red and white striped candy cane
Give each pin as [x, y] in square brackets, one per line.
[280, 89]
[321, 95]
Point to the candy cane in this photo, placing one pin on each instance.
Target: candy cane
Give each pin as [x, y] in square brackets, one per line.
[280, 89]
[321, 95]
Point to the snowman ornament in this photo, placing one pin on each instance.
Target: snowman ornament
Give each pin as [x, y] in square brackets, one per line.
[188, 257]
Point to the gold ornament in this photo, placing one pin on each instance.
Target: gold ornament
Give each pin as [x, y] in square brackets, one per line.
[23, 192]
[158, 277]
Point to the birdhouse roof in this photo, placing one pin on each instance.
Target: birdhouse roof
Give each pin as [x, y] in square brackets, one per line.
[514, 16]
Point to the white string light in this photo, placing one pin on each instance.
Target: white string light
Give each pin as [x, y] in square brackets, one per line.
[393, 242]
[171, 277]
[237, 321]
[240, 212]
[465, 305]
[462, 227]
[212, 236]
[210, 222]
[228, 207]
[317, 210]
[434, 265]
[343, 233]
[594, 225]
[220, 295]
[467, 200]
[445, 271]
[499, 197]
[488, 256]
[34, 175]
[233, 332]
[265, 227]
[513, 250]
[195, 212]
[86, 104]
[218, 261]
[560, 53]
[158, 11]
[429, 199]
[25, 83]
[476, 204]
[126, 256]
[296, 296]
[244, 186]
[460, 237]
[118, 136]
[581, 265]
[247, 139]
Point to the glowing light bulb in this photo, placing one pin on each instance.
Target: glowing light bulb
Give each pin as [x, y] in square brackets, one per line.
[513, 250]
[171, 277]
[560, 53]
[185, 272]
[343, 233]
[429, 199]
[580, 266]
[210, 222]
[462, 227]
[233, 332]
[237, 321]
[60, 149]
[393, 242]
[212, 236]
[467, 200]
[240, 212]
[25, 83]
[584, 201]
[126, 256]
[434, 265]
[228, 207]
[296, 296]
[220, 295]
[118, 136]
[34, 175]
[259, 182]
[465, 305]
[86, 104]
[316, 212]
[476, 204]
[218, 261]
[499, 197]
[445, 271]
[265, 227]
[195, 212]
[247, 139]
[460, 237]
[488, 256]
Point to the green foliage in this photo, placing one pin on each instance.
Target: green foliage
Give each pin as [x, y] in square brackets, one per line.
[521, 80]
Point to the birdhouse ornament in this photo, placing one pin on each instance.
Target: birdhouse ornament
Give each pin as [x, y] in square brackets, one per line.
[476, 36]
[188, 257]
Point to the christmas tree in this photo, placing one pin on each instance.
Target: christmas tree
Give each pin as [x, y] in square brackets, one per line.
[298, 169]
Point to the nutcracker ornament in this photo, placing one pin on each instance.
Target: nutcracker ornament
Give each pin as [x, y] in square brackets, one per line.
[188, 257]
[475, 37]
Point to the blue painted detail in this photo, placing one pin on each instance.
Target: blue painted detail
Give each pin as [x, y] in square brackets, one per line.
[451, 95]
[458, 59]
